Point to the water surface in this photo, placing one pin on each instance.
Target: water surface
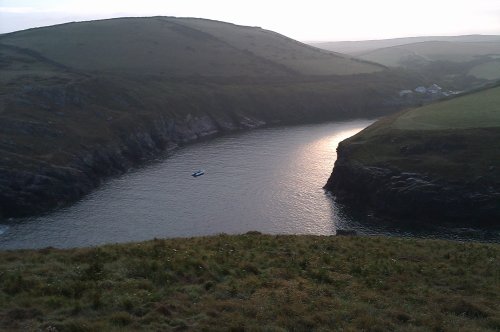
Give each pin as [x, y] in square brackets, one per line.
[269, 180]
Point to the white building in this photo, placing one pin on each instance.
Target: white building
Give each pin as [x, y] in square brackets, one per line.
[421, 89]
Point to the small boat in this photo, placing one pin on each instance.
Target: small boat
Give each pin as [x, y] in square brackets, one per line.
[198, 173]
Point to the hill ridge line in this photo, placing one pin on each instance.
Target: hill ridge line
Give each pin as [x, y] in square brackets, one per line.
[276, 65]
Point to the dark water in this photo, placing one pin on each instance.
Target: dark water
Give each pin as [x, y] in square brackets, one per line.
[268, 180]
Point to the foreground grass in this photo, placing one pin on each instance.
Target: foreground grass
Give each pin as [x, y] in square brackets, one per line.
[254, 282]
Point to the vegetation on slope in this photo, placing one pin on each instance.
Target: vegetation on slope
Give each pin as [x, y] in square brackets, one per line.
[363, 46]
[254, 282]
[461, 64]
[432, 51]
[457, 138]
[436, 163]
[179, 47]
[280, 49]
[475, 110]
[457, 62]
[488, 71]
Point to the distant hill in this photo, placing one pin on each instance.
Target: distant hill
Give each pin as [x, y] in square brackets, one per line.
[439, 163]
[432, 51]
[363, 46]
[180, 47]
[480, 59]
[489, 70]
[461, 62]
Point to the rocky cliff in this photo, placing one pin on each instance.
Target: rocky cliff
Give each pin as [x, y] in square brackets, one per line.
[390, 192]
[436, 163]
[28, 191]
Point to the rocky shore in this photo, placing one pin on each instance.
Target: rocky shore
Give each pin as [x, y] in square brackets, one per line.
[393, 193]
[25, 192]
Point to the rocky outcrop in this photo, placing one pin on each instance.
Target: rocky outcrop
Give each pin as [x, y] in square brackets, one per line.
[394, 193]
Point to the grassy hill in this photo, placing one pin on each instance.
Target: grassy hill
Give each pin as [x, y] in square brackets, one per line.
[179, 47]
[432, 51]
[364, 46]
[463, 131]
[475, 110]
[277, 48]
[440, 160]
[254, 282]
[445, 58]
[458, 62]
[489, 70]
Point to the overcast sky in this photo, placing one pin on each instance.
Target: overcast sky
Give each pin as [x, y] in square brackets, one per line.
[312, 20]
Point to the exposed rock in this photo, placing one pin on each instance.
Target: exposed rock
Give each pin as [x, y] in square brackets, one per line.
[25, 193]
[346, 232]
[414, 196]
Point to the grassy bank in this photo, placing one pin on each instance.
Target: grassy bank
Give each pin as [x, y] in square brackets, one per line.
[456, 139]
[254, 282]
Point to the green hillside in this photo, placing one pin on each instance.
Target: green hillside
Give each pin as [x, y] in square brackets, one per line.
[459, 65]
[469, 125]
[277, 48]
[432, 51]
[440, 162]
[358, 47]
[456, 62]
[477, 110]
[254, 282]
[489, 70]
[180, 47]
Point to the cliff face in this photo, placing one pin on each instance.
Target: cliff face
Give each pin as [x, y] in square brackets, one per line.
[393, 193]
[26, 192]
[436, 163]
[30, 191]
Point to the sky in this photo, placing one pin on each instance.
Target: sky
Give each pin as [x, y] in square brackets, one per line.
[311, 20]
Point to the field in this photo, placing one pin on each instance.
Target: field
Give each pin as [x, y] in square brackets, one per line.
[457, 62]
[363, 46]
[477, 110]
[432, 51]
[254, 282]
[488, 71]
[456, 139]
